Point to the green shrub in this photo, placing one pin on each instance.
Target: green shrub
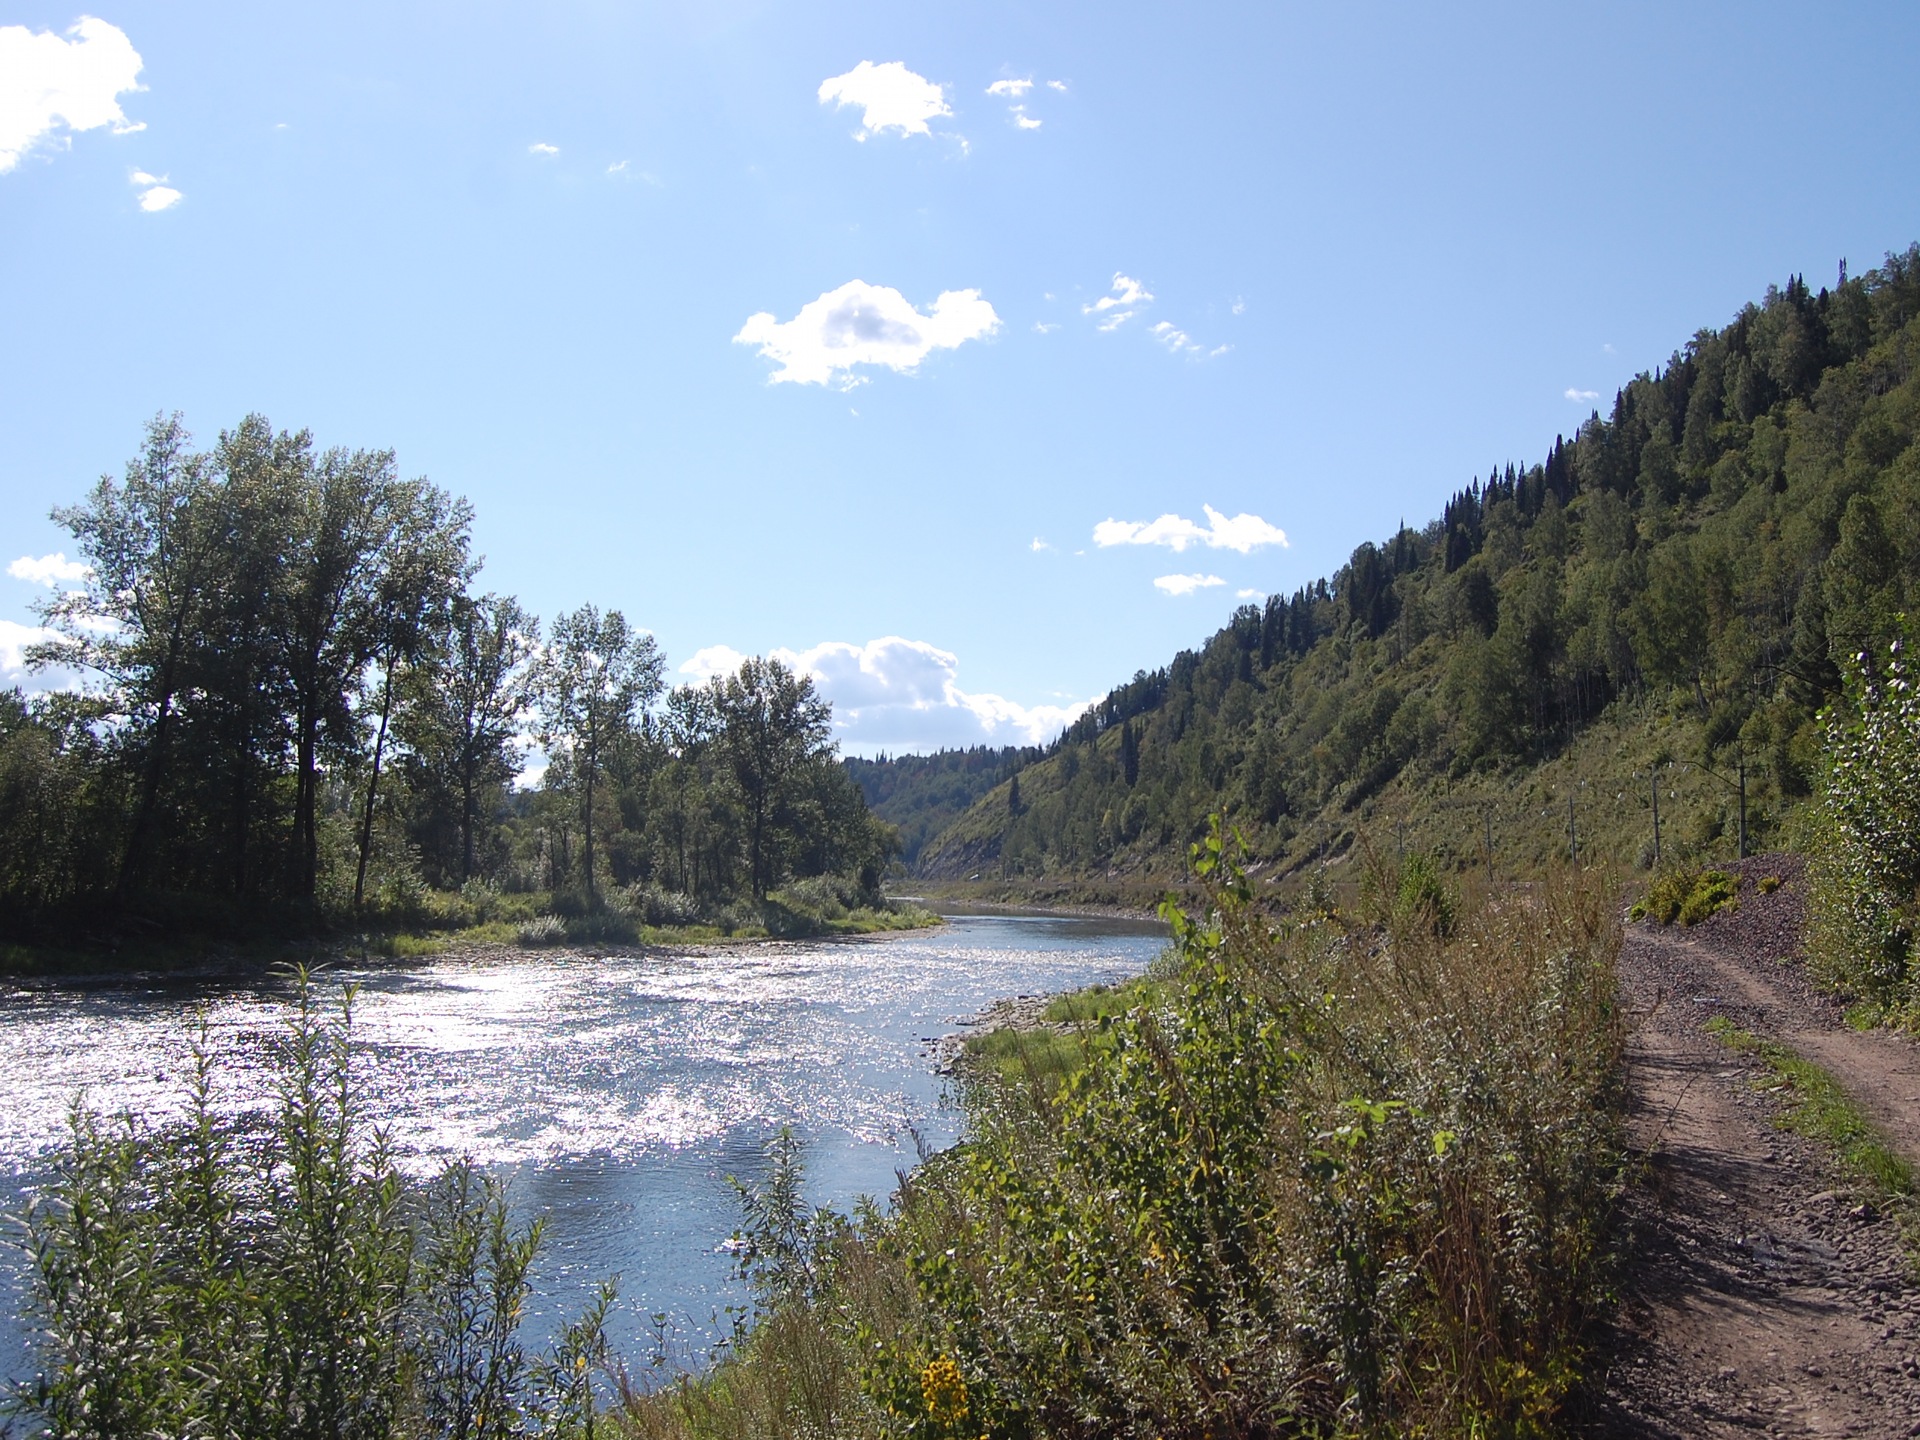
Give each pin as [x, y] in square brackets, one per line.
[284, 1279]
[1330, 1186]
[1687, 895]
[541, 931]
[1864, 869]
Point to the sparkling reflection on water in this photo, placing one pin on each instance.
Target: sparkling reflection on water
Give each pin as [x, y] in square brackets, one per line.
[616, 1092]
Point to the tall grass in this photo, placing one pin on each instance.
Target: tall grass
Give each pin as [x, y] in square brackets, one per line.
[1346, 1177]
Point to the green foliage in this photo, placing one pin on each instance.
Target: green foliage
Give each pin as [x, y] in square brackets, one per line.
[1303, 1180]
[1687, 895]
[1700, 563]
[303, 722]
[1865, 871]
[1312, 1185]
[283, 1278]
[922, 794]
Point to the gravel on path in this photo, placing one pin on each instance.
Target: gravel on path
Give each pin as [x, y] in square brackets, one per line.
[1762, 1295]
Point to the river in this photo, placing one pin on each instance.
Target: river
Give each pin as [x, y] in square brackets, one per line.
[615, 1093]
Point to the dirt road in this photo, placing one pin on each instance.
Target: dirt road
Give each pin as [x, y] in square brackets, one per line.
[1762, 1294]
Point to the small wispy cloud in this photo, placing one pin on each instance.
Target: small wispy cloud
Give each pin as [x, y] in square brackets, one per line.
[155, 194]
[1024, 120]
[1010, 89]
[1573, 394]
[1177, 341]
[623, 170]
[540, 147]
[890, 97]
[1038, 545]
[50, 570]
[1186, 584]
[1243, 532]
[1120, 304]
[1126, 292]
[1239, 305]
[1250, 594]
[1059, 85]
[1044, 327]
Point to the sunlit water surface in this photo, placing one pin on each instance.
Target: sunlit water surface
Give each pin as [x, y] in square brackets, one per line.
[617, 1093]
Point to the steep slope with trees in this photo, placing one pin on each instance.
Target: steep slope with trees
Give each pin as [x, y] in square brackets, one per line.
[923, 794]
[1655, 613]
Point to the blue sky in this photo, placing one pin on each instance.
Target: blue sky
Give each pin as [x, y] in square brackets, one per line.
[559, 258]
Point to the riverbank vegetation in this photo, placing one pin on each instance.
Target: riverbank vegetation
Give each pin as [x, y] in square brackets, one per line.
[1660, 606]
[300, 717]
[1339, 1174]
[279, 1276]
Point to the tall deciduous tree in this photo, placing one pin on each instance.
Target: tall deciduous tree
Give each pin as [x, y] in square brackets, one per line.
[425, 570]
[773, 723]
[151, 543]
[595, 678]
[464, 707]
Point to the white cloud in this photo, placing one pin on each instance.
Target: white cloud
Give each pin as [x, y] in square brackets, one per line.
[540, 147]
[1250, 594]
[1059, 85]
[1244, 533]
[50, 570]
[47, 82]
[1039, 545]
[902, 695]
[1239, 306]
[1573, 394]
[862, 324]
[890, 96]
[1011, 89]
[711, 661]
[1024, 120]
[1042, 327]
[155, 194]
[1126, 293]
[14, 640]
[1186, 584]
[1178, 341]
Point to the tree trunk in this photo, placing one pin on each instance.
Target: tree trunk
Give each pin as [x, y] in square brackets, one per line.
[373, 787]
[586, 819]
[466, 818]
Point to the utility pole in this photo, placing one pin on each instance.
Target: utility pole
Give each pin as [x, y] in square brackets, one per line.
[1741, 758]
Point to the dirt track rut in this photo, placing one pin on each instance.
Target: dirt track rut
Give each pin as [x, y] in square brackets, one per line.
[1762, 1295]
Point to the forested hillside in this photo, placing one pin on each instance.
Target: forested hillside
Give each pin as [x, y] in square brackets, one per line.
[920, 795]
[1659, 605]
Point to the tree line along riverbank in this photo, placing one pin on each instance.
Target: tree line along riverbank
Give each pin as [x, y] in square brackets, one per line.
[299, 716]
